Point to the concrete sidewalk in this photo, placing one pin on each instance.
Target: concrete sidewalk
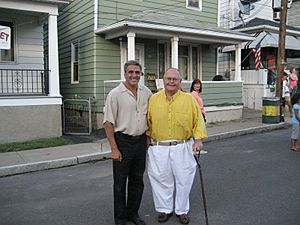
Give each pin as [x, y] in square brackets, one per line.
[47, 158]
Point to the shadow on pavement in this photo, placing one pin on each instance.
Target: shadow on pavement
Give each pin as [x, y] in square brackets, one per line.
[95, 136]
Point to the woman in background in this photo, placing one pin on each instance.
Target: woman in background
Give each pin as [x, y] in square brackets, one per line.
[196, 89]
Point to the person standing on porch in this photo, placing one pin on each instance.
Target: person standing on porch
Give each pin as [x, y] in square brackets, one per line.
[125, 125]
[176, 129]
[271, 66]
[196, 89]
[286, 99]
[293, 80]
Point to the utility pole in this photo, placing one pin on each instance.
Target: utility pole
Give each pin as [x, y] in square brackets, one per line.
[281, 48]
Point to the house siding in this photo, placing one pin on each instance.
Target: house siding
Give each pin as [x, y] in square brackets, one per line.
[76, 25]
[28, 42]
[293, 14]
[219, 93]
[100, 59]
[111, 11]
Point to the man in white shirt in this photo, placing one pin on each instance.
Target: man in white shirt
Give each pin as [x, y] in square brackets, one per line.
[125, 125]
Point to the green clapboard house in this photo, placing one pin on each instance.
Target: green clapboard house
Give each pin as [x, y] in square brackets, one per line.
[96, 38]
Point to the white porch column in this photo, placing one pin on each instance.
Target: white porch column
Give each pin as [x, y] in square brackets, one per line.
[238, 55]
[174, 56]
[53, 56]
[131, 46]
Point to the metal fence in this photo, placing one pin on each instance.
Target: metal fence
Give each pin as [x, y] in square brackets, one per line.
[24, 82]
[78, 116]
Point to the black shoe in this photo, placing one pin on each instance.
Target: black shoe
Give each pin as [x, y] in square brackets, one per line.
[121, 223]
[136, 220]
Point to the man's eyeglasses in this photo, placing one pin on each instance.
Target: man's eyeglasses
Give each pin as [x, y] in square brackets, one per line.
[171, 79]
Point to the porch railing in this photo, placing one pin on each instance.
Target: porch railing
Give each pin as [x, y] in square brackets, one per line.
[24, 82]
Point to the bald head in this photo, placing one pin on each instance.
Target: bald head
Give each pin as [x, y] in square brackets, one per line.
[173, 71]
[172, 80]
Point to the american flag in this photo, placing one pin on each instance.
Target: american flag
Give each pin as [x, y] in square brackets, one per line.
[257, 55]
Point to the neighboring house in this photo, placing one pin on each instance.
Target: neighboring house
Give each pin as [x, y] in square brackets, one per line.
[30, 100]
[231, 16]
[97, 37]
[262, 22]
[260, 83]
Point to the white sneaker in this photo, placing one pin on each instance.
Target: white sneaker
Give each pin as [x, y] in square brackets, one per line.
[202, 152]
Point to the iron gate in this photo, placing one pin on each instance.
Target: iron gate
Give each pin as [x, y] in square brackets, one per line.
[77, 116]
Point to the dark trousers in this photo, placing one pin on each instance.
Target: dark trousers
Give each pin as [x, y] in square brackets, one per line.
[129, 173]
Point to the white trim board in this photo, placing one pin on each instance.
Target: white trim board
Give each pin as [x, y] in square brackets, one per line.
[30, 101]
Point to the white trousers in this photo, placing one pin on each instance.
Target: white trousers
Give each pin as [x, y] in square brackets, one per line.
[171, 168]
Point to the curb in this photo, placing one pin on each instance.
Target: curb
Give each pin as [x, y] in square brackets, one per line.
[252, 130]
[51, 164]
[71, 161]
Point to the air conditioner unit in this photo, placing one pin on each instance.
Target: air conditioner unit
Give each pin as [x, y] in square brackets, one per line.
[276, 16]
[289, 5]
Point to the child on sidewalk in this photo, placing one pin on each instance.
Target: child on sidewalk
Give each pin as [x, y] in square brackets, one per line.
[286, 99]
[295, 122]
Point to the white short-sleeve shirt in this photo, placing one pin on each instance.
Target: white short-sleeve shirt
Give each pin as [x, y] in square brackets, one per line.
[127, 113]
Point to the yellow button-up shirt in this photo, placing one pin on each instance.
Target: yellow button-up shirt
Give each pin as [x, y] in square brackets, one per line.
[177, 119]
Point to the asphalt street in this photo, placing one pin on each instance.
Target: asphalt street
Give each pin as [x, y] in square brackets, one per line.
[249, 180]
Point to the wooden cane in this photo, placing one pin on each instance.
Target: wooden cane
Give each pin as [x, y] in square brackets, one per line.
[202, 186]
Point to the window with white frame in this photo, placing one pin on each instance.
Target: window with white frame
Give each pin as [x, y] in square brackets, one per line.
[194, 4]
[74, 63]
[7, 55]
[188, 60]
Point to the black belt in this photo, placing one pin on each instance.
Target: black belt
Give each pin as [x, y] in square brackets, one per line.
[130, 137]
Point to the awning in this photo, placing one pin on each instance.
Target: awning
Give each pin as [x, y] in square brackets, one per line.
[267, 39]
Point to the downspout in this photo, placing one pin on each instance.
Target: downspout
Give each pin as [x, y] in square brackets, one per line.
[94, 48]
[95, 14]
[218, 24]
[219, 13]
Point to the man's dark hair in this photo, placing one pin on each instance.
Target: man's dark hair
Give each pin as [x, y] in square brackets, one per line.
[131, 62]
[295, 98]
[218, 78]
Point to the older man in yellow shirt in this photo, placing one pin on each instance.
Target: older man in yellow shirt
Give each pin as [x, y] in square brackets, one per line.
[176, 128]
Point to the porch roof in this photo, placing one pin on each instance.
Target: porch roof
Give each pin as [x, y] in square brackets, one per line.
[160, 25]
[267, 39]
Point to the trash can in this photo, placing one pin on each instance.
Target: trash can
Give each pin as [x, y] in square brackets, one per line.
[271, 110]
